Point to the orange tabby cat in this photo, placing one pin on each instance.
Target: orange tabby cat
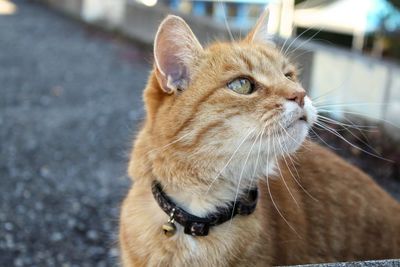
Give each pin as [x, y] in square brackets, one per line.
[232, 117]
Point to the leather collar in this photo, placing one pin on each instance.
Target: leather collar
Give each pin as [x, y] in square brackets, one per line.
[199, 226]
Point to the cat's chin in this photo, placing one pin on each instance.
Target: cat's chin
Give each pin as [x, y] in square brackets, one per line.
[296, 134]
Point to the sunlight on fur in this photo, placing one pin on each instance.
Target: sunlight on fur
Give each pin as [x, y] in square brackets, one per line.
[224, 119]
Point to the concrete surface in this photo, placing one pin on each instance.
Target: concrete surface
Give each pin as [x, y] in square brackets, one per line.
[382, 263]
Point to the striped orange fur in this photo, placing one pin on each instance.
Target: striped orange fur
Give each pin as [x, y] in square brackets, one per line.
[207, 144]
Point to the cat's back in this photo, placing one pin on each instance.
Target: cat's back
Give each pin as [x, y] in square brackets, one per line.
[327, 174]
[320, 205]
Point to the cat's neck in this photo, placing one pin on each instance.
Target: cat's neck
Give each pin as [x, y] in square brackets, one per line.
[201, 201]
[200, 187]
[204, 198]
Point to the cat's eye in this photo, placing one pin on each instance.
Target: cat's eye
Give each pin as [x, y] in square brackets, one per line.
[290, 75]
[241, 86]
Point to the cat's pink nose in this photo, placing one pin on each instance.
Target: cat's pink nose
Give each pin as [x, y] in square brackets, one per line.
[297, 96]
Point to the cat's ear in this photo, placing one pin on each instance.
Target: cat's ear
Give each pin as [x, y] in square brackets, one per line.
[175, 51]
[260, 31]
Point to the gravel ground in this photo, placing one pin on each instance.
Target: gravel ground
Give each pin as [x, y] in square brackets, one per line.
[70, 99]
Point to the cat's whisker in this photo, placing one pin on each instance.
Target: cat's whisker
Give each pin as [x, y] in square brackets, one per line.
[163, 148]
[229, 160]
[362, 115]
[286, 152]
[362, 141]
[354, 126]
[270, 193]
[349, 131]
[336, 133]
[280, 172]
[283, 46]
[297, 173]
[322, 140]
[258, 155]
[171, 143]
[291, 137]
[342, 123]
[361, 132]
[350, 104]
[293, 59]
[320, 97]
[305, 42]
[353, 103]
[241, 175]
[226, 21]
[295, 39]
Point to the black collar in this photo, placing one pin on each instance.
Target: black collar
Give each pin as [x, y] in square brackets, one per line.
[198, 226]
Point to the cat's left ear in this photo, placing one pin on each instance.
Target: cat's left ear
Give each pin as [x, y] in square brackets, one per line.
[260, 31]
[176, 50]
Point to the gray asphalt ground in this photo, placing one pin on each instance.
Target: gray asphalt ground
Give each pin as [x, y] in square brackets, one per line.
[70, 97]
[69, 100]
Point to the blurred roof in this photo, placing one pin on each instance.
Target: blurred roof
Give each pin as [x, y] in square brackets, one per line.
[347, 16]
[263, 2]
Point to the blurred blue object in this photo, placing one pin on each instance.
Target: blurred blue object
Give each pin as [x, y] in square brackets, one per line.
[383, 15]
[241, 18]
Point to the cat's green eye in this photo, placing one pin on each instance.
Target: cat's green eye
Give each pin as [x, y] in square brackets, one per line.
[241, 86]
[290, 75]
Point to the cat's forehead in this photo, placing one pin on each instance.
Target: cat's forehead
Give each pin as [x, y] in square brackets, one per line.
[252, 55]
[260, 61]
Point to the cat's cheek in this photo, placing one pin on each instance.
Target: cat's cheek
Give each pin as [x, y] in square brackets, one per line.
[240, 125]
[310, 110]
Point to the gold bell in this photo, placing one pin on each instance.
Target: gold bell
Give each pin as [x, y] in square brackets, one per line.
[169, 228]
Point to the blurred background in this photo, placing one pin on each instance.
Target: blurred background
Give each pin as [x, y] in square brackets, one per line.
[71, 79]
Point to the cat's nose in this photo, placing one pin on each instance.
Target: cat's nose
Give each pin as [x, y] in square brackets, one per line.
[297, 96]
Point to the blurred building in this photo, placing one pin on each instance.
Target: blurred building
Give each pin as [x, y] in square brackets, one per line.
[240, 14]
[350, 23]
[352, 18]
[363, 25]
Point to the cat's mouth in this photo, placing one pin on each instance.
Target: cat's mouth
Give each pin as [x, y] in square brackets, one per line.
[299, 120]
[303, 118]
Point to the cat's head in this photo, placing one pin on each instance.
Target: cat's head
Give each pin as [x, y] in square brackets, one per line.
[228, 101]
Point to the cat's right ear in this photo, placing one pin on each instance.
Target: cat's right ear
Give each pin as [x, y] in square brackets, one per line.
[260, 31]
[175, 51]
